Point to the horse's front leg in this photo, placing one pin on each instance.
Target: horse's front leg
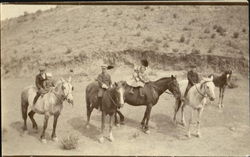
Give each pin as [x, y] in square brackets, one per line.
[101, 139]
[177, 107]
[31, 115]
[144, 118]
[121, 117]
[111, 137]
[53, 136]
[46, 118]
[148, 117]
[222, 95]
[89, 111]
[200, 110]
[190, 123]
[182, 115]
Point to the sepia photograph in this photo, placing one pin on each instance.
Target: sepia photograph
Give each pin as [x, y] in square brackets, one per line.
[121, 79]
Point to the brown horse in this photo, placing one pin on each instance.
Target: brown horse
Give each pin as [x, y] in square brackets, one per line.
[221, 82]
[152, 92]
[111, 101]
[49, 104]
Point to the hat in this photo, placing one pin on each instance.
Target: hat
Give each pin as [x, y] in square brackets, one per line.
[104, 66]
[42, 68]
[144, 62]
[49, 74]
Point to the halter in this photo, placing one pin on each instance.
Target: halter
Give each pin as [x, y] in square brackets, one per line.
[199, 91]
[166, 89]
[62, 97]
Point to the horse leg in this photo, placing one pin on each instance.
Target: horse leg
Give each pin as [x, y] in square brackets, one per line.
[148, 117]
[222, 96]
[121, 117]
[177, 107]
[24, 115]
[89, 111]
[101, 139]
[31, 115]
[111, 137]
[182, 115]
[144, 118]
[45, 124]
[190, 123]
[200, 110]
[53, 136]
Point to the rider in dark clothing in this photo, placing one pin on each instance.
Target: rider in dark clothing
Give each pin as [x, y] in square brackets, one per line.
[192, 77]
[104, 81]
[40, 78]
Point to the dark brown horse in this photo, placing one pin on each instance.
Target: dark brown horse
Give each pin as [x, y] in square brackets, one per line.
[152, 92]
[221, 82]
[113, 98]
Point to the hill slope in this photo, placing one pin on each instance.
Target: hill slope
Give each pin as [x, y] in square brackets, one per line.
[81, 37]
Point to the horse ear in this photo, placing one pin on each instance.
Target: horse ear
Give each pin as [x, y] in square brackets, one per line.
[115, 84]
[69, 80]
[172, 77]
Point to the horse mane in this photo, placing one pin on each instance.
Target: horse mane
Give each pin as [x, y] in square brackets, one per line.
[162, 79]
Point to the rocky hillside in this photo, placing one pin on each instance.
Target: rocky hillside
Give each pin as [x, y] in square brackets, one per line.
[78, 38]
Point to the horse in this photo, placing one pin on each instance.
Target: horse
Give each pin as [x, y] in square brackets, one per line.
[195, 99]
[113, 99]
[152, 91]
[49, 104]
[221, 82]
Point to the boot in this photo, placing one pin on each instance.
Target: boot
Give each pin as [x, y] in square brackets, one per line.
[100, 103]
[36, 98]
[141, 92]
[131, 91]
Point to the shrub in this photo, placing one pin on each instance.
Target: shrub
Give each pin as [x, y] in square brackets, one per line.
[221, 30]
[235, 35]
[104, 10]
[175, 50]
[149, 39]
[195, 51]
[70, 142]
[206, 30]
[244, 30]
[174, 15]
[182, 39]
[165, 45]
[158, 41]
[213, 36]
[68, 51]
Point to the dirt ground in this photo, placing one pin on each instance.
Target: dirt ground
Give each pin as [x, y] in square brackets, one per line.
[224, 131]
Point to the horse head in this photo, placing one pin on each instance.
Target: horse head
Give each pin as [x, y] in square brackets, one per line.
[67, 90]
[174, 87]
[119, 88]
[209, 87]
[227, 74]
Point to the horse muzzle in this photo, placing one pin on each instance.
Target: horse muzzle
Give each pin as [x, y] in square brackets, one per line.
[70, 102]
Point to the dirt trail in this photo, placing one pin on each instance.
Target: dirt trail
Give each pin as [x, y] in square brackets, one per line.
[224, 132]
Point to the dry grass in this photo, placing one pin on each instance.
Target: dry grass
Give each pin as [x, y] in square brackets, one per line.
[70, 142]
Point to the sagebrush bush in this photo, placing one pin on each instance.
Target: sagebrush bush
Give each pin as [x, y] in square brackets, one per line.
[182, 39]
[236, 35]
[70, 142]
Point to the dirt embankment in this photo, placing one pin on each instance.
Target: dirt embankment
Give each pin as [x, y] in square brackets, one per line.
[78, 38]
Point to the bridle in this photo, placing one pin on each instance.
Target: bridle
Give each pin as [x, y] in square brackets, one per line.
[113, 101]
[166, 89]
[200, 91]
[61, 97]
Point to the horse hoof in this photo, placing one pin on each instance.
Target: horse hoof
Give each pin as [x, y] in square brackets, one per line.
[87, 126]
[183, 124]
[117, 125]
[188, 135]
[147, 132]
[44, 141]
[111, 139]
[101, 140]
[198, 135]
[55, 139]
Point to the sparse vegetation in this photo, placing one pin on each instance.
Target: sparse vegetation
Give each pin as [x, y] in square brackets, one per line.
[182, 39]
[70, 142]
[236, 35]
[221, 30]
[207, 30]
[213, 35]
[149, 39]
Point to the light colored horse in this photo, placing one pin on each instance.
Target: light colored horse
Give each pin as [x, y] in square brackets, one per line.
[195, 99]
[49, 104]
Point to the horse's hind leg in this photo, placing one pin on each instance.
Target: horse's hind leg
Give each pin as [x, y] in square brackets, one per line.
[24, 114]
[31, 115]
[177, 107]
[45, 124]
[101, 139]
[53, 136]
[111, 137]
[222, 96]
[182, 115]
[89, 111]
[189, 125]
[144, 118]
[148, 117]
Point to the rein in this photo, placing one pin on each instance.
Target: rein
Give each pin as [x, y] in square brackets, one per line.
[112, 100]
[200, 92]
[165, 90]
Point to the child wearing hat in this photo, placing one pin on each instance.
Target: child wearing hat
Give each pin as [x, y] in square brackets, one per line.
[192, 77]
[40, 79]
